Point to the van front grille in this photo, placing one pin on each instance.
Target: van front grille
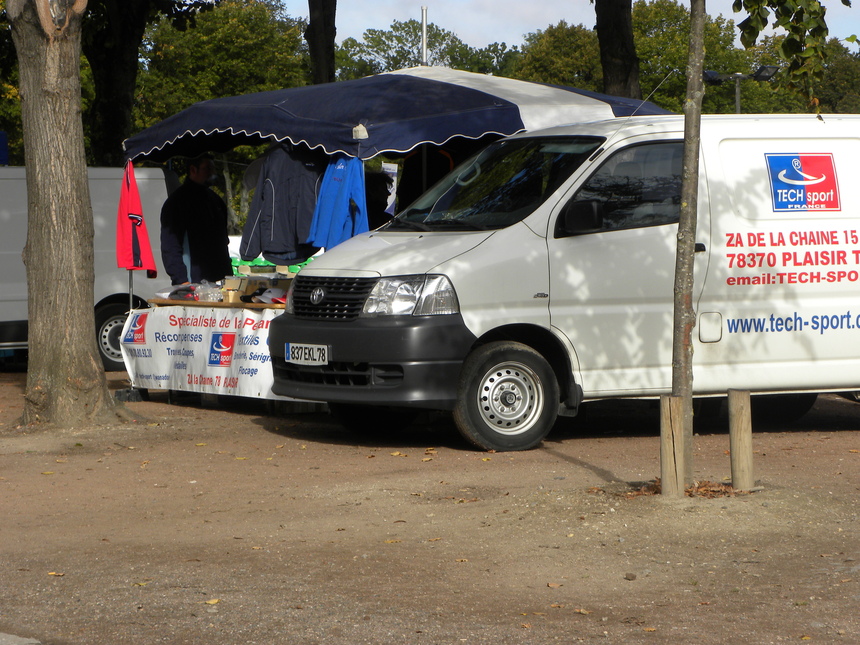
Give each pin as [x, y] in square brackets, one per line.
[340, 299]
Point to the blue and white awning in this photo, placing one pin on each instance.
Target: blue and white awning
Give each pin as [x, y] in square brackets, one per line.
[391, 112]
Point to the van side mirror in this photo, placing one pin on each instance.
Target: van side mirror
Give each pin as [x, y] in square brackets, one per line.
[580, 217]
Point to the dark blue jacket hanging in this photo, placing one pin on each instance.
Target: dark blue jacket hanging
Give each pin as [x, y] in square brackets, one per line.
[282, 208]
[341, 210]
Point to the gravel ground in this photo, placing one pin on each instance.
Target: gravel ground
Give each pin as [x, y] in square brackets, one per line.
[230, 524]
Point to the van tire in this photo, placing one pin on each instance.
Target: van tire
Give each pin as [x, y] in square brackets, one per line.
[110, 320]
[507, 397]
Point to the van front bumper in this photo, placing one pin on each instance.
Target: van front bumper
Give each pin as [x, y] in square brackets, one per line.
[409, 361]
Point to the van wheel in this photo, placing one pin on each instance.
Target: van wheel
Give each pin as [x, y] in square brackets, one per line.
[507, 397]
[109, 323]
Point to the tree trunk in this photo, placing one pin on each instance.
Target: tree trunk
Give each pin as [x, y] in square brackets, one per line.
[617, 51]
[684, 314]
[113, 50]
[233, 227]
[66, 383]
[320, 35]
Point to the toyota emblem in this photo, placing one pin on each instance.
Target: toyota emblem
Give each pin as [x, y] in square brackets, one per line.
[317, 295]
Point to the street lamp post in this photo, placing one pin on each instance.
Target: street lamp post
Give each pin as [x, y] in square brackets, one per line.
[763, 73]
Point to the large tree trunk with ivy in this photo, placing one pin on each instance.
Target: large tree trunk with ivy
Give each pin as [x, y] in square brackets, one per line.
[320, 35]
[617, 51]
[685, 314]
[66, 383]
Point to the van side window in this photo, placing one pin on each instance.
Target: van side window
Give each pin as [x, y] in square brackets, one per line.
[637, 187]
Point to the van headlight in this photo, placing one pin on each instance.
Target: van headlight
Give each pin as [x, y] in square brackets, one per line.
[412, 295]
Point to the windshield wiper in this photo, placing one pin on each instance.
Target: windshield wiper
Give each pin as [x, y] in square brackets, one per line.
[405, 223]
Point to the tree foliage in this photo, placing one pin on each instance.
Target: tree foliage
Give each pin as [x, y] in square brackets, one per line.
[240, 47]
[839, 89]
[10, 101]
[562, 54]
[804, 47]
[661, 30]
[400, 47]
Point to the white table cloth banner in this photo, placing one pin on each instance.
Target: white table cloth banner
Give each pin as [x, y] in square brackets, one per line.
[200, 349]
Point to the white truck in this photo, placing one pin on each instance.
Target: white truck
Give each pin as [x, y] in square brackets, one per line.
[111, 284]
[539, 275]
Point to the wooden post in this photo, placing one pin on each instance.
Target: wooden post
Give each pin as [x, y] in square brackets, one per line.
[740, 440]
[672, 445]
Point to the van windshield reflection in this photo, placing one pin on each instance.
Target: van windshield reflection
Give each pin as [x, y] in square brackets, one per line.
[500, 186]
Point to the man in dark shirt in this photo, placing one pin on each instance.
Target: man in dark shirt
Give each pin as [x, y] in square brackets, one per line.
[194, 229]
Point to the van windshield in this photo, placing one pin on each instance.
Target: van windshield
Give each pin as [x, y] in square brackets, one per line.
[499, 186]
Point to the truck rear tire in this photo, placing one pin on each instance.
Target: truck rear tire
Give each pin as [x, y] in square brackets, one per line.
[507, 398]
[110, 319]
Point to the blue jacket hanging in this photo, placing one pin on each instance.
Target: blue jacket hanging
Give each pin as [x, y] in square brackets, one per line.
[341, 210]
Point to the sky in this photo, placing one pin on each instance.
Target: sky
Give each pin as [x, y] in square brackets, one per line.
[481, 22]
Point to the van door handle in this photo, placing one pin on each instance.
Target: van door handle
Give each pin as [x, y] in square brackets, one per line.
[699, 248]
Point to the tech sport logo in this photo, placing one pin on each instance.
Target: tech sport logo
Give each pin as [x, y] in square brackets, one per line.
[136, 333]
[803, 182]
[221, 349]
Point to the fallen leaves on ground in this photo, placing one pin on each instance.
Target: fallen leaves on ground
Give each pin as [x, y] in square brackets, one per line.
[706, 489]
[710, 490]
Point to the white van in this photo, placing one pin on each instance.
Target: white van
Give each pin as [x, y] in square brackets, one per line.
[111, 283]
[539, 275]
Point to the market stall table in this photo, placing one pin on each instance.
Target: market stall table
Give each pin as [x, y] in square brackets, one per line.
[215, 348]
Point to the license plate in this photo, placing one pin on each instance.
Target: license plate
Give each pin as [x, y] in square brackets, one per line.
[304, 354]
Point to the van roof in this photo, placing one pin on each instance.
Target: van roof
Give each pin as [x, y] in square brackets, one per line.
[768, 125]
